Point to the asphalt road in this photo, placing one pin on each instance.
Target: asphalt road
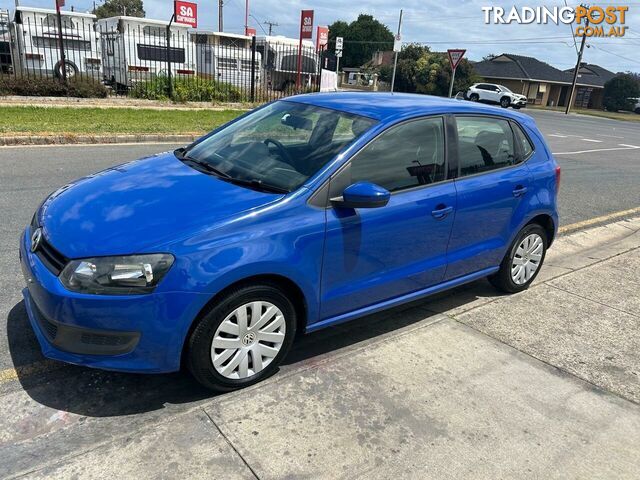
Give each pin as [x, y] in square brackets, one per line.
[600, 159]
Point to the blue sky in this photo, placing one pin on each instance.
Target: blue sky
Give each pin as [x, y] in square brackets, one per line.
[440, 24]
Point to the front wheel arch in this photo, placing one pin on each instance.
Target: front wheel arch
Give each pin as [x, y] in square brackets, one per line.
[285, 284]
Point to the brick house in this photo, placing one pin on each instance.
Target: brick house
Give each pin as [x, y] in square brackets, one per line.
[544, 84]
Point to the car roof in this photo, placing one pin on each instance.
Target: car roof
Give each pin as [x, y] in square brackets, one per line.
[388, 107]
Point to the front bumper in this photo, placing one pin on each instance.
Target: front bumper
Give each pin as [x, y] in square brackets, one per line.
[519, 102]
[133, 333]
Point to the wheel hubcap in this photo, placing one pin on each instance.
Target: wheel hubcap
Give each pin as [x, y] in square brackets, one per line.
[248, 340]
[526, 259]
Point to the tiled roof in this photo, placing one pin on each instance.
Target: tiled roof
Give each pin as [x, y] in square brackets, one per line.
[590, 74]
[520, 67]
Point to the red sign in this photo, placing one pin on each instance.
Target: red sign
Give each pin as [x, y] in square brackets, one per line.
[59, 4]
[250, 32]
[306, 24]
[454, 57]
[186, 13]
[322, 37]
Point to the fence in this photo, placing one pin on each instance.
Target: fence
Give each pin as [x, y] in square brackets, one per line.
[144, 58]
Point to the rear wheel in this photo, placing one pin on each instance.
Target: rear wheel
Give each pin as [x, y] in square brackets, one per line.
[505, 102]
[523, 260]
[474, 97]
[243, 338]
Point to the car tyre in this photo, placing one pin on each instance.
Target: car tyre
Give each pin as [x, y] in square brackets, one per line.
[523, 260]
[72, 70]
[257, 352]
[505, 102]
[474, 97]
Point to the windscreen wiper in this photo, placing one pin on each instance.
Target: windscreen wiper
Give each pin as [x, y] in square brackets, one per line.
[257, 185]
[200, 164]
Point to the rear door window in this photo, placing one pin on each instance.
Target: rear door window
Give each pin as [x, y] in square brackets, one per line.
[484, 144]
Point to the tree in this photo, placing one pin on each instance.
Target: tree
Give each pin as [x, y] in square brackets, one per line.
[114, 8]
[362, 38]
[621, 92]
[422, 71]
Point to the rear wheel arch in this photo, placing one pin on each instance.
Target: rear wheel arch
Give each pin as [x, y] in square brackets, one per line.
[546, 222]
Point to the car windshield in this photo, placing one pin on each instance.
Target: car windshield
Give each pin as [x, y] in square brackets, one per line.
[278, 147]
[505, 89]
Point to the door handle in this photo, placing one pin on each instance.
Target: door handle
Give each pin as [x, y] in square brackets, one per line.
[441, 211]
[519, 191]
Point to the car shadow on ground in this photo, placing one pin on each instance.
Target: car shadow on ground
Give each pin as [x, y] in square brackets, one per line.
[96, 393]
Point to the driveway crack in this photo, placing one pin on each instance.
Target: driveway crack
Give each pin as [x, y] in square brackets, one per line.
[226, 439]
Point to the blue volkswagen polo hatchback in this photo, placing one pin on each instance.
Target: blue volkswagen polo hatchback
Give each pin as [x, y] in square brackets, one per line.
[299, 215]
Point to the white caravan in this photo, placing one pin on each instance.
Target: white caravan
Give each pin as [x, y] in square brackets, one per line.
[135, 49]
[36, 48]
[280, 61]
[226, 57]
[6, 65]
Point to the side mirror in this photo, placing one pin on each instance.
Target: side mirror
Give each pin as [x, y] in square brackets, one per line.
[362, 195]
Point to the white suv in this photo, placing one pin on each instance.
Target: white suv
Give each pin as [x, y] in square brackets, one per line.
[492, 93]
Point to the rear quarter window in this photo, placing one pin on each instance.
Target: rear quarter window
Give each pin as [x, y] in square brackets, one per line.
[523, 140]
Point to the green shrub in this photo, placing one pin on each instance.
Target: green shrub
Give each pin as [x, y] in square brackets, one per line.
[187, 90]
[621, 92]
[51, 87]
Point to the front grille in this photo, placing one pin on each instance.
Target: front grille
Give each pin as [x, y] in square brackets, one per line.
[48, 255]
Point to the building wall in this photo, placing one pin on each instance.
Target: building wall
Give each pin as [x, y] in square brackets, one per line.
[548, 94]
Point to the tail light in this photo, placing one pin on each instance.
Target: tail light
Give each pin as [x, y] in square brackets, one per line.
[557, 179]
[135, 68]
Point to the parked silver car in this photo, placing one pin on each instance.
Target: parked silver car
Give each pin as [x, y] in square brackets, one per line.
[493, 93]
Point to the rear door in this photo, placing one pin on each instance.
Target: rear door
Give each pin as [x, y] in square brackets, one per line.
[492, 190]
[375, 254]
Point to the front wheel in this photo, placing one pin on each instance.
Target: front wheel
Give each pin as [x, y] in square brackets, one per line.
[523, 261]
[243, 338]
[505, 102]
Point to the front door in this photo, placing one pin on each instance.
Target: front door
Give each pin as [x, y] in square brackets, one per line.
[377, 254]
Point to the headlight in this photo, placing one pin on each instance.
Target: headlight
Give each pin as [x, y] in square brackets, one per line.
[125, 275]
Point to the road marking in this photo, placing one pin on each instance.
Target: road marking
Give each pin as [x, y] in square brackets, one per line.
[609, 136]
[34, 368]
[557, 135]
[592, 221]
[45, 366]
[591, 140]
[622, 147]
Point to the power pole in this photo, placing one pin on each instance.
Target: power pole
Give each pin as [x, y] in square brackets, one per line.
[220, 20]
[246, 18]
[575, 71]
[271, 25]
[395, 57]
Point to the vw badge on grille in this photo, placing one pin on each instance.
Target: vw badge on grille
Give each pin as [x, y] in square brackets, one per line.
[36, 238]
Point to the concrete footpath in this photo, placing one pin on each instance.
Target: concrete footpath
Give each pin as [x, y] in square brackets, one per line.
[472, 384]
